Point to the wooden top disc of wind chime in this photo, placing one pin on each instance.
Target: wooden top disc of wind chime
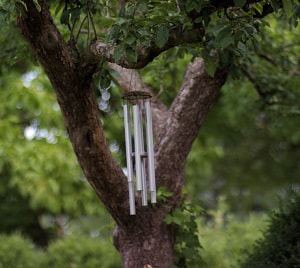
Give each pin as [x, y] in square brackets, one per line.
[136, 95]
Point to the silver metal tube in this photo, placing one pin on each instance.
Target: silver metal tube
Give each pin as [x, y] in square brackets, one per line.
[144, 185]
[127, 128]
[143, 159]
[150, 149]
[131, 198]
[128, 142]
[137, 147]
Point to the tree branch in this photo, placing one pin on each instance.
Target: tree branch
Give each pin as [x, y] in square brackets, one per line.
[255, 83]
[186, 115]
[77, 102]
[100, 51]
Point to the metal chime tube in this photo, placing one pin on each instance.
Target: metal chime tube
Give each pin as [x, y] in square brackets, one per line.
[137, 147]
[143, 157]
[129, 158]
[150, 150]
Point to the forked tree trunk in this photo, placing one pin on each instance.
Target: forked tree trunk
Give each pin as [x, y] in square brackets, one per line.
[143, 239]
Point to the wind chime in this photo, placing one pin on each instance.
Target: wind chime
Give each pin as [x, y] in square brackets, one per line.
[137, 105]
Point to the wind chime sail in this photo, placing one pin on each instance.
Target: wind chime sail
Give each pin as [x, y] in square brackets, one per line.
[140, 155]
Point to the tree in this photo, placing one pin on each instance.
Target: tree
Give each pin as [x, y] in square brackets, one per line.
[223, 32]
[279, 247]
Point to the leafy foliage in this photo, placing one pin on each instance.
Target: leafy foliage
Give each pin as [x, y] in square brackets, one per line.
[187, 244]
[39, 173]
[80, 251]
[253, 129]
[280, 246]
[72, 251]
[244, 151]
[225, 237]
[15, 251]
[13, 49]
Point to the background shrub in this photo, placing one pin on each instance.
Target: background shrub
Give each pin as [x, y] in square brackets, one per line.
[78, 251]
[224, 243]
[280, 246]
[75, 251]
[18, 252]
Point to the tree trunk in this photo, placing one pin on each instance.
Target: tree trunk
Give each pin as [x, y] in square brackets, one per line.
[149, 243]
[143, 239]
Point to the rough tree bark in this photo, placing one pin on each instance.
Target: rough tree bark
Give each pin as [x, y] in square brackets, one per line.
[145, 238]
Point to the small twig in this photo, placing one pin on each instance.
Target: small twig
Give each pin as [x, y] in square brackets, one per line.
[94, 28]
[178, 6]
[72, 37]
[161, 90]
[80, 27]
[267, 58]
[88, 22]
[257, 86]
[294, 71]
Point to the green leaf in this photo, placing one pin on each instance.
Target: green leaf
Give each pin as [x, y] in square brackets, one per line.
[210, 66]
[163, 193]
[288, 7]
[131, 54]
[258, 7]
[21, 3]
[118, 53]
[169, 219]
[224, 38]
[59, 7]
[64, 19]
[275, 4]
[162, 36]
[242, 48]
[37, 5]
[130, 40]
[239, 3]
[75, 13]
[106, 22]
[235, 72]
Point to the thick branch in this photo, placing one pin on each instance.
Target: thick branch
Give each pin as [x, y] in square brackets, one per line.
[100, 51]
[79, 108]
[186, 115]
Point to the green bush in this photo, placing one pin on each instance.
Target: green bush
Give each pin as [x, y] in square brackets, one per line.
[18, 252]
[224, 243]
[81, 252]
[280, 246]
[78, 251]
